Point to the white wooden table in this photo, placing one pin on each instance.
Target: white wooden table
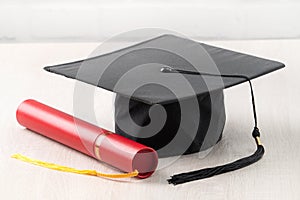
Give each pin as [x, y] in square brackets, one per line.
[276, 176]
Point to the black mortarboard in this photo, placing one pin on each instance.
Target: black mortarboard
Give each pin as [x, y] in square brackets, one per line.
[170, 93]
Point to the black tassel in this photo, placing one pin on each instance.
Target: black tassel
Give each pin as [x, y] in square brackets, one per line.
[209, 172]
[238, 164]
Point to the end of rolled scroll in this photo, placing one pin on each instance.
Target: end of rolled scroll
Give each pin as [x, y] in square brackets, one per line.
[145, 161]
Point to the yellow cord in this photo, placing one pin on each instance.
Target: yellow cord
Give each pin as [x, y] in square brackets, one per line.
[258, 141]
[72, 170]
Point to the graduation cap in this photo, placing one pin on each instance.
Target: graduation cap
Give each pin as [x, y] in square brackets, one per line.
[169, 94]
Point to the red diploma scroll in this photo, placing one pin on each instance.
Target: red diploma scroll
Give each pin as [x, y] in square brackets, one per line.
[118, 151]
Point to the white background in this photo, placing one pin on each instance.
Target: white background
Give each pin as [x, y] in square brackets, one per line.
[35, 33]
[92, 20]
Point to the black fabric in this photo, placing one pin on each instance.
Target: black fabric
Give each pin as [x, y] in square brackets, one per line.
[165, 50]
[209, 132]
[147, 58]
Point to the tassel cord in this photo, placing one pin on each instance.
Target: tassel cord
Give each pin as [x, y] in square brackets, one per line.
[73, 170]
[238, 164]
